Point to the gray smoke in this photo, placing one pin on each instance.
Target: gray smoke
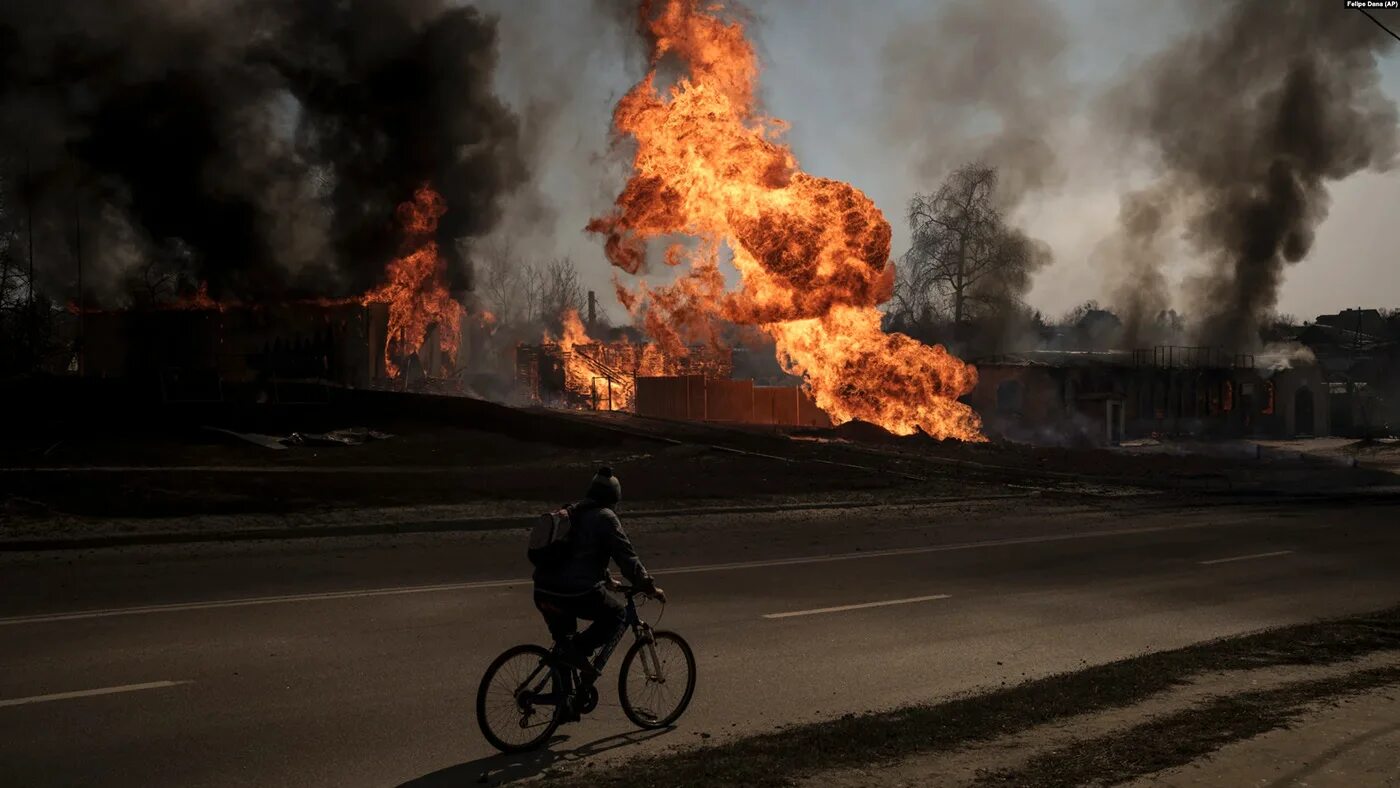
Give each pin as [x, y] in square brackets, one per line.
[1248, 121]
[1133, 259]
[980, 81]
[985, 85]
[261, 144]
[564, 66]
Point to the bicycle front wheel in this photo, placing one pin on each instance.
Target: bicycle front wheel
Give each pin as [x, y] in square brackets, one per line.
[657, 680]
[519, 702]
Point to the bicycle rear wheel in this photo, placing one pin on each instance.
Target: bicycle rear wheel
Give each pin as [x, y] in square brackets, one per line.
[520, 701]
[657, 680]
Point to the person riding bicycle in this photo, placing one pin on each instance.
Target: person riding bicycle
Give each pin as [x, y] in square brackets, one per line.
[579, 587]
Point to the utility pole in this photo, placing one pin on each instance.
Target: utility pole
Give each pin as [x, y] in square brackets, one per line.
[592, 309]
[82, 294]
[4, 277]
[29, 209]
[5, 180]
[1355, 350]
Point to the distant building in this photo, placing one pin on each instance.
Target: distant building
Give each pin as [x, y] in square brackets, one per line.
[1358, 351]
[1098, 398]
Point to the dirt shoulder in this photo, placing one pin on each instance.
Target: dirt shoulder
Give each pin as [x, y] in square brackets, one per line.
[1103, 725]
[1350, 742]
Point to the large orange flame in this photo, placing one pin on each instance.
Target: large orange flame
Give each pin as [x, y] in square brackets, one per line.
[812, 253]
[416, 290]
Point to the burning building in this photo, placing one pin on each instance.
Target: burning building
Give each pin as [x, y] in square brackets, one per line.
[574, 370]
[410, 329]
[628, 373]
[614, 376]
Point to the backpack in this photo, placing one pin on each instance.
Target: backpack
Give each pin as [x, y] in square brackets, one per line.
[551, 541]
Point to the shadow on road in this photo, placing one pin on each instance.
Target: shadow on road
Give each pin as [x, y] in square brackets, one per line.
[504, 769]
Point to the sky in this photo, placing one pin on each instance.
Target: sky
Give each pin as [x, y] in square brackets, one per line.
[825, 72]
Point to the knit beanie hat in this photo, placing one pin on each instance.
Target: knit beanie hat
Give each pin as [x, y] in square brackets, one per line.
[605, 488]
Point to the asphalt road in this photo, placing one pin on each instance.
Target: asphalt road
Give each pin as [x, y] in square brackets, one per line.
[347, 662]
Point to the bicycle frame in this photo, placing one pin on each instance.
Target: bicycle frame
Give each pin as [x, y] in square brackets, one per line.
[641, 630]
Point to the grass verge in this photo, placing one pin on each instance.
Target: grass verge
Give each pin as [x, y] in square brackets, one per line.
[784, 757]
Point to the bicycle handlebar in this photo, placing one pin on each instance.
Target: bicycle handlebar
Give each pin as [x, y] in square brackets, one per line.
[631, 590]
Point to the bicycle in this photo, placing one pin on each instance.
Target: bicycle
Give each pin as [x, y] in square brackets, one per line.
[526, 688]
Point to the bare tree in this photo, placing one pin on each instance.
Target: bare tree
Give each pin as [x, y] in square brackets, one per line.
[162, 276]
[917, 304]
[962, 253]
[503, 283]
[548, 290]
[154, 283]
[531, 291]
[1076, 315]
[553, 289]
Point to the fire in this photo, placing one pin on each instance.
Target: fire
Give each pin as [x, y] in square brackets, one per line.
[200, 300]
[812, 253]
[574, 332]
[604, 374]
[416, 290]
[589, 371]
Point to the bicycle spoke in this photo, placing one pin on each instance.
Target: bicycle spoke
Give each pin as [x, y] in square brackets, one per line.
[513, 722]
[658, 682]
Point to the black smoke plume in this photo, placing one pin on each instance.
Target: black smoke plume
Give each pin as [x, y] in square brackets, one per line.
[1248, 120]
[263, 144]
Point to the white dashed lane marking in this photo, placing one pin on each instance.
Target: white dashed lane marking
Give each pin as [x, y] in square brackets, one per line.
[44, 618]
[92, 693]
[861, 606]
[1250, 557]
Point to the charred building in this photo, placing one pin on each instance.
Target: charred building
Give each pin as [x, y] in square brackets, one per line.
[1105, 397]
[272, 352]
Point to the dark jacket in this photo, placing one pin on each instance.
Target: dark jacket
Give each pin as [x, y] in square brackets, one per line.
[596, 538]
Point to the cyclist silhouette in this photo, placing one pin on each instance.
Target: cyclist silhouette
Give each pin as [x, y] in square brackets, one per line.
[580, 586]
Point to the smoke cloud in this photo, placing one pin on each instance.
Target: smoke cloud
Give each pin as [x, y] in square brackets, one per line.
[977, 84]
[1134, 258]
[982, 82]
[1247, 121]
[261, 144]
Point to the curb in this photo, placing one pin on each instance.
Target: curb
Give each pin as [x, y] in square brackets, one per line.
[464, 525]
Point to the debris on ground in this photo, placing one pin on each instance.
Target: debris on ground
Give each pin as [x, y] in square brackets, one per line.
[350, 436]
[257, 439]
